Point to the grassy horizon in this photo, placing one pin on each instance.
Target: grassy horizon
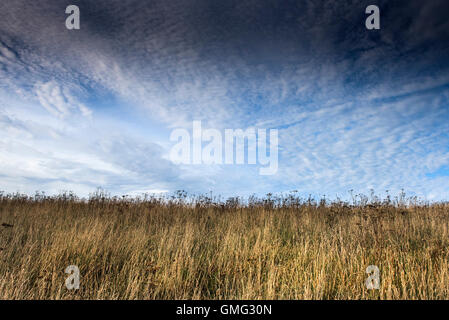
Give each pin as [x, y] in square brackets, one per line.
[178, 247]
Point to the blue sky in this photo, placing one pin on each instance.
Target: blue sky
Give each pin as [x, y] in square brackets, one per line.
[355, 109]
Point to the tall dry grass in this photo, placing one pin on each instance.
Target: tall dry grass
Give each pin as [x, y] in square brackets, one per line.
[180, 248]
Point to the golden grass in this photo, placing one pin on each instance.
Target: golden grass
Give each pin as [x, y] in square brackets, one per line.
[265, 249]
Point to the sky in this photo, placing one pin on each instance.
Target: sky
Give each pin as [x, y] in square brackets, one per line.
[355, 109]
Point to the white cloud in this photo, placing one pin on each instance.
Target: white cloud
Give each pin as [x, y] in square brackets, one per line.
[59, 101]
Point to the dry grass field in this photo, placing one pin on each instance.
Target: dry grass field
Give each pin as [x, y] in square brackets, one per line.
[202, 248]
